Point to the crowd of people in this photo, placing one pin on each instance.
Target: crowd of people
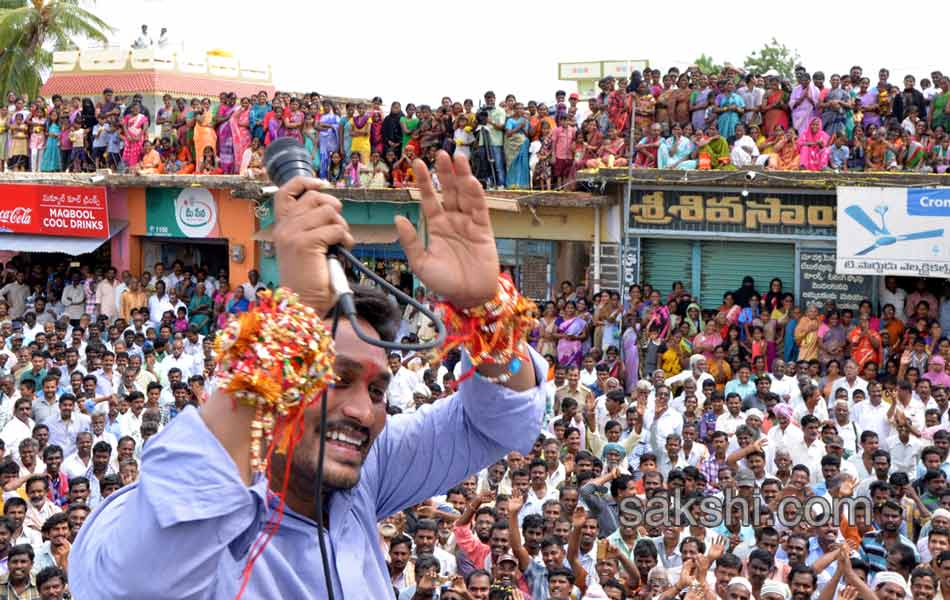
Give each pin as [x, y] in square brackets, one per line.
[649, 397]
[681, 120]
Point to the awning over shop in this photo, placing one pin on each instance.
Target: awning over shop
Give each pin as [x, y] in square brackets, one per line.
[363, 234]
[73, 246]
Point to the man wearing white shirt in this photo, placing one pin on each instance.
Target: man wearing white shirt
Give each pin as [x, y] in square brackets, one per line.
[252, 285]
[811, 449]
[159, 303]
[107, 379]
[889, 293]
[782, 384]
[871, 415]
[908, 405]
[19, 428]
[610, 407]
[193, 343]
[905, 450]
[402, 385]
[851, 382]
[666, 421]
[728, 421]
[66, 424]
[782, 436]
[79, 463]
[539, 491]
[177, 360]
[130, 423]
[588, 371]
[671, 456]
[812, 404]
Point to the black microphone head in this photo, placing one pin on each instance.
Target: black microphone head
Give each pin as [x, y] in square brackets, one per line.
[286, 158]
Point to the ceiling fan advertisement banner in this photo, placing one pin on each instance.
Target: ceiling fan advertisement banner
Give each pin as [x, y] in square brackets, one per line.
[893, 231]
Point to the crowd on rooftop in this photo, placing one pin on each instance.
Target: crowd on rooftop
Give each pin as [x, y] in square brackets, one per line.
[680, 120]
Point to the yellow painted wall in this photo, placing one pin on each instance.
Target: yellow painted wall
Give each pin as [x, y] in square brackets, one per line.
[556, 223]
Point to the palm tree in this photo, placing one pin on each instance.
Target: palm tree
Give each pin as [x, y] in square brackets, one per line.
[30, 30]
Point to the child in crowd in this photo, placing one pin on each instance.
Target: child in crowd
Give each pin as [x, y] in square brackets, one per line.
[78, 139]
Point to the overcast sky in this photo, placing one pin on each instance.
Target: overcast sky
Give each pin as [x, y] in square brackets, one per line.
[421, 50]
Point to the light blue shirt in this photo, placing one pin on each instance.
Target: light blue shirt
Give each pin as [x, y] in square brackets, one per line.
[191, 496]
[63, 433]
[743, 389]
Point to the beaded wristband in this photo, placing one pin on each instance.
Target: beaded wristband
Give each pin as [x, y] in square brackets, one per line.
[492, 332]
[277, 358]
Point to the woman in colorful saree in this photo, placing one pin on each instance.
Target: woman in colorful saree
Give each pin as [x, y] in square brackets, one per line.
[648, 148]
[786, 156]
[806, 334]
[200, 309]
[707, 340]
[677, 151]
[775, 108]
[240, 126]
[699, 102]
[803, 102]
[329, 128]
[867, 100]
[134, 126]
[227, 160]
[238, 303]
[630, 352]
[714, 151]
[680, 112]
[612, 152]
[833, 339]
[256, 116]
[516, 149]
[939, 114]
[571, 335]
[359, 132]
[729, 109]
[645, 104]
[814, 147]
[835, 108]
[204, 132]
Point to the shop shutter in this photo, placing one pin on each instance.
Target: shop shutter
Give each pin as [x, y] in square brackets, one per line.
[664, 261]
[725, 263]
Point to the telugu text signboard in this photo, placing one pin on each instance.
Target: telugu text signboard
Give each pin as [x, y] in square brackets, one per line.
[55, 210]
[818, 281]
[712, 213]
[894, 231]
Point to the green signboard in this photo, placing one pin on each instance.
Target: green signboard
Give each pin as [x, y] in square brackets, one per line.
[184, 213]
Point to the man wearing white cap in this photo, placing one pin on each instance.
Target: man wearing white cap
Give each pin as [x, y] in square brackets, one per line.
[738, 588]
[889, 585]
[774, 590]
[930, 549]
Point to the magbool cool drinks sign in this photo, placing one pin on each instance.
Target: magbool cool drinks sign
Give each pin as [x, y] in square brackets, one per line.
[54, 210]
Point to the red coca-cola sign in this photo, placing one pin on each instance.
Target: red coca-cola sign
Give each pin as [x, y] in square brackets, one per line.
[54, 210]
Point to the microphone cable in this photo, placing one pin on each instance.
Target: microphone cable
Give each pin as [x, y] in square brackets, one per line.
[284, 159]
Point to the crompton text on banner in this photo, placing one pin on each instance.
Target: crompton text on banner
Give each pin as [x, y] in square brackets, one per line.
[54, 210]
[893, 231]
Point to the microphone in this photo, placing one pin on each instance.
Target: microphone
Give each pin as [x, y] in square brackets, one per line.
[284, 159]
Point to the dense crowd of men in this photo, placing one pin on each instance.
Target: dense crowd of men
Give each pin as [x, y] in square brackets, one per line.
[648, 399]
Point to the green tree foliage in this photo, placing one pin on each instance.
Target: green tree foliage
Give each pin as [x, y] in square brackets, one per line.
[707, 65]
[30, 30]
[773, 56]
